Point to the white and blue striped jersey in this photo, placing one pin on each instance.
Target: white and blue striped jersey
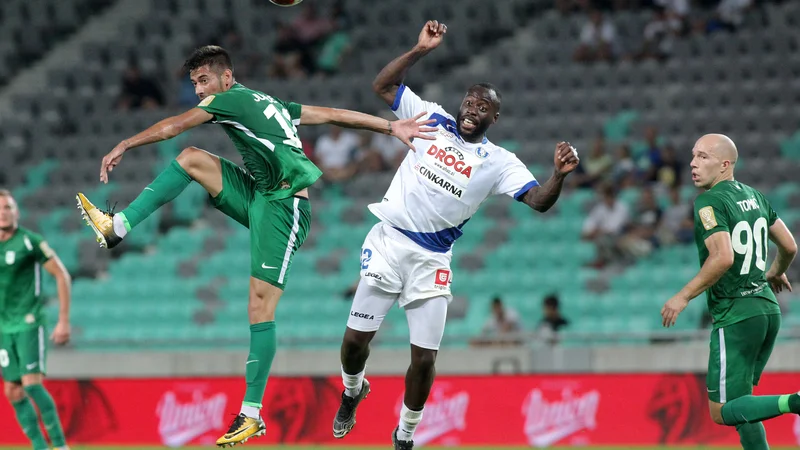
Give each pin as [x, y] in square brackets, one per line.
[440, 186]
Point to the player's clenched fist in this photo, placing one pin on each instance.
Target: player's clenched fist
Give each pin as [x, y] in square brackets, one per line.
[566, 158]
[431, 35]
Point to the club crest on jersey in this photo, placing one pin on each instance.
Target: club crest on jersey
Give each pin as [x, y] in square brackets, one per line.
[10, 257]
[450, 160]
[707, 217]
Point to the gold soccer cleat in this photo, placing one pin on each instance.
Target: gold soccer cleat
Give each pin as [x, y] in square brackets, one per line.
[99, 221]
[242, 428]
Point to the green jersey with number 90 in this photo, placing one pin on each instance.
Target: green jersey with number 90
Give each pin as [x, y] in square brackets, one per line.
[264, 131]
[745, 215]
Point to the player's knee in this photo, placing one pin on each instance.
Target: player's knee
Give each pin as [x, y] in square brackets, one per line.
[190, 159]
[13, 392]
[354, 341]
[715, 409]
[423, 359]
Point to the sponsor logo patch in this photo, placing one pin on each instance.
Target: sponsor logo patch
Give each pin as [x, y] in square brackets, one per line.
[362, 315]
[442, 280]
[207, 101]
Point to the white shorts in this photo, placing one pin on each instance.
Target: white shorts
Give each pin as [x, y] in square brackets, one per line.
[395, 269]
[396, 264]
[426, 318]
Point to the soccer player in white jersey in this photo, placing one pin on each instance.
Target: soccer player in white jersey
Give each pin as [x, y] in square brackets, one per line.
[406, 257]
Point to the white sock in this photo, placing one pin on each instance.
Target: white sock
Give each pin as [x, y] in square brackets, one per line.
[352, 383]
[408, 423]
[119, 227]
[251, 411]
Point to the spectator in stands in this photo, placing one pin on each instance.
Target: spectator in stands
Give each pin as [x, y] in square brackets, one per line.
[335, 154]
[598, 39]
[337, 45]
[501, 326]
[677, 225]
[605, 224]
[624, 171]
[596, 168]
[729, 16]
[640, 239]
[678, 9]
[653, 154]
[287, 55]
[380, 154]
[552, 320]
[310, 29]
[668, 173]
[659, 36]
[139, 92]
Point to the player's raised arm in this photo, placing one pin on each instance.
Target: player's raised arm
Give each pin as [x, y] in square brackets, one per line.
[56, 268]
[405, 130]
[543, 197]
[161, 131]
[787, 250]
[391, 77]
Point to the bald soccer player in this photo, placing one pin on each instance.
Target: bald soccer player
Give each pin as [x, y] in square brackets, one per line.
[732, 224]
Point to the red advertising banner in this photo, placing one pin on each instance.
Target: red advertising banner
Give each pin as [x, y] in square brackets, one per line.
[535, 410]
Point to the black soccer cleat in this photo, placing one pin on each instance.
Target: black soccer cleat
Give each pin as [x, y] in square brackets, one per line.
[345, 418]
[401, 445]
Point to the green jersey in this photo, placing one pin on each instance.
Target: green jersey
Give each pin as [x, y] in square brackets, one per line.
[264, 131]
[21, 281]
[743, 213]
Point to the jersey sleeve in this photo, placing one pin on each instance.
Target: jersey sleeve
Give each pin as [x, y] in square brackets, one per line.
[515, 179]
[221, 106]
[295, 110]
[710, 215]
[772, 216]
[41, 250]
[408, 104]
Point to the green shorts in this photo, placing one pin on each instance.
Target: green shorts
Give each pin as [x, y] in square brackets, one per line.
[22, 353]
[277, 227]
[738, 354]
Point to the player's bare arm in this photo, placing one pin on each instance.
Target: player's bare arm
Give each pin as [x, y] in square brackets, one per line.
[543, 197]
[388, 81]
[161, 131]
[720, 259]
[787, 250]
[55, 267]
[404, 130]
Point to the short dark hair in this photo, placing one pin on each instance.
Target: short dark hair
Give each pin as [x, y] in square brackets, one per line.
[216, 57]
[551, 301]
[490, 87]
[497, 301]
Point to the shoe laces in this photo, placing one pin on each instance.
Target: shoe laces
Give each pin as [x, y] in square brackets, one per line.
[236, 422]
[348, 403]
[109, 209]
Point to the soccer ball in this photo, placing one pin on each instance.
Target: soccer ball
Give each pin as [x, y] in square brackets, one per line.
[286, 3]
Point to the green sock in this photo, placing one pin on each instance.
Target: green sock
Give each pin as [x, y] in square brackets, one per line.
[752, 436]
[167, 185]
[49, 412]
[263, 345]
[755, 408]
[29, 422]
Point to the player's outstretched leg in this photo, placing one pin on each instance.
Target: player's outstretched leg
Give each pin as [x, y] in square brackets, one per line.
[426, 319]
[192, 164]
[370, 305]
[26, 414]
[47, 408]
[263, 345]
[354, 354]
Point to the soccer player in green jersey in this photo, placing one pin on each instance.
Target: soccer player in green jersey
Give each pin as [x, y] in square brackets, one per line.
[270, 197]
[733, 223]
[22, 342]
